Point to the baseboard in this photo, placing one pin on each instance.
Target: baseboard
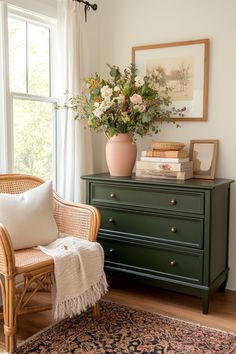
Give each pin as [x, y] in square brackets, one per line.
[231, 283]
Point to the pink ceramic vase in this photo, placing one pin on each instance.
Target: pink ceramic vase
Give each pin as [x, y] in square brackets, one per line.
[121, 155]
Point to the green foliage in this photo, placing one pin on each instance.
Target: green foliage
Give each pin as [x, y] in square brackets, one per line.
[32, 119]
[125, 103]
[32, 138]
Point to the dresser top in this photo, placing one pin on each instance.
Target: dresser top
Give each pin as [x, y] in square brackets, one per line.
[190, 183]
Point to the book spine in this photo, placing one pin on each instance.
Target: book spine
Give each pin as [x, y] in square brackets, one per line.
[164, 159]
[165, 167]
[159, 174]
[172, 154]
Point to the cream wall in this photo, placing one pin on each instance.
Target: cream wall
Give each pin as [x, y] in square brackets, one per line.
[127, 23]
[118, 25]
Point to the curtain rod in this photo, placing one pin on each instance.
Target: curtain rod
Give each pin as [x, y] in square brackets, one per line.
[87, 7]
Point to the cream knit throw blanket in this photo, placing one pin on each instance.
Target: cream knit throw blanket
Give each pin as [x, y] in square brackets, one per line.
[80, 280]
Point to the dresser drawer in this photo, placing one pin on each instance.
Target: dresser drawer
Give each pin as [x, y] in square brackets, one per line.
[163, 262]
[140, 198]
[167, 233]
[175, 230]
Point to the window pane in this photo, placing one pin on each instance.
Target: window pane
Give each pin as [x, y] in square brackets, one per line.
[33, 138]
[38, 60]
[17, 55]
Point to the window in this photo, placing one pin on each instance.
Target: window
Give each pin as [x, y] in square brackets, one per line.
[33, 113]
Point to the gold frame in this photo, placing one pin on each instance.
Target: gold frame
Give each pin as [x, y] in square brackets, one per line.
[205, 42]
[212, 170]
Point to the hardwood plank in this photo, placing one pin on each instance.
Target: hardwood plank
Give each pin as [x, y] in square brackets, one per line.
[222, 310]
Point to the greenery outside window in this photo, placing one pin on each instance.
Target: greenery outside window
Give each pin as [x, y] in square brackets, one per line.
[33, 106]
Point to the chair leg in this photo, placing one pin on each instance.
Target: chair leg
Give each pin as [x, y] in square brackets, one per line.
[96, 310]
[9, 316]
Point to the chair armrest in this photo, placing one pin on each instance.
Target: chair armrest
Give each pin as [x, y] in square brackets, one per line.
[7, 257]
[79, 220]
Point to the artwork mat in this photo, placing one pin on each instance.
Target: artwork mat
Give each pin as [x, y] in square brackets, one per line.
[199, 50]
[212, 171]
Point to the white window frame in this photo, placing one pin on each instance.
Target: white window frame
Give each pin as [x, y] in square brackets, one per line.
[5, 114]
[49, 23]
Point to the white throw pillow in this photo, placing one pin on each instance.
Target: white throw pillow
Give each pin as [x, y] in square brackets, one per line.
[28, 217]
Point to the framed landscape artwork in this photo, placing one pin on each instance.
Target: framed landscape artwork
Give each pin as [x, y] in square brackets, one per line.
[203, 153]
[183, 67]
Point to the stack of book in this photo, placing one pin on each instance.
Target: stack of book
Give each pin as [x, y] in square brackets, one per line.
[169, 164]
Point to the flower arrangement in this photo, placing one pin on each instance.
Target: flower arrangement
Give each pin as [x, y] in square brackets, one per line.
[125, 103]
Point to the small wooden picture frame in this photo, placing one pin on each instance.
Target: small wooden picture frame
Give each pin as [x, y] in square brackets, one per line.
[203, 153]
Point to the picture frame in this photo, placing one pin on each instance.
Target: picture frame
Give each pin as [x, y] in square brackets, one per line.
[185, 67]
[203, 153]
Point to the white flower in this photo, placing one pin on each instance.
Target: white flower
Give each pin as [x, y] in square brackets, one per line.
[116, 89]
[119, 99]
[97, 112]
[96, 104]
[106, 93]
[105, 105]
[116, 99]
[139, 81]
[108, 105]
[136, 99]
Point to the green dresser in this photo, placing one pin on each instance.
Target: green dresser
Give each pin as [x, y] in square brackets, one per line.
[171, 234]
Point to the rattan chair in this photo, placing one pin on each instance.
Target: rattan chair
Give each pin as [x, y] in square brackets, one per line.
[34, 266]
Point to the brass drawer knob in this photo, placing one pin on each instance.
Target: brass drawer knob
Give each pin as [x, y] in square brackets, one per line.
[113, 195]
[112, 250]
[173, 202]
[173, 230]
[173, 263]
[111, 220]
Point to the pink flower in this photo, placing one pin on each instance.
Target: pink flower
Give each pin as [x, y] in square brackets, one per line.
[136, 99]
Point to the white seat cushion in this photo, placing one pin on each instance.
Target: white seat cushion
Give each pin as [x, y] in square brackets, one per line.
[28, 217]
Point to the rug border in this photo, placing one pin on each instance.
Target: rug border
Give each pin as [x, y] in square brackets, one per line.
[175, 319]
[57, 323]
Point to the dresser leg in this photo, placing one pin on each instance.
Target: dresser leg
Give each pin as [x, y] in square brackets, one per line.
[205, 304]
[222, 287]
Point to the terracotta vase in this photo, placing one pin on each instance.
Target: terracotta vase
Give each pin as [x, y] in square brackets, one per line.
[121, 155]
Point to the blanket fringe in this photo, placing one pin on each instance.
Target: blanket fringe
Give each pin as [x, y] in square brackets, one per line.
[72, 307]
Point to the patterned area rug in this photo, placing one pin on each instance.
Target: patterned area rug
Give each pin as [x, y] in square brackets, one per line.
[123, 330]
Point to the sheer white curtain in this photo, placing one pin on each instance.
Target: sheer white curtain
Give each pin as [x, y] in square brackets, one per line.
[5, 114]
[75, 156]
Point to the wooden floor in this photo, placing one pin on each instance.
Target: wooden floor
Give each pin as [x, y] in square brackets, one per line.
[222, 311]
